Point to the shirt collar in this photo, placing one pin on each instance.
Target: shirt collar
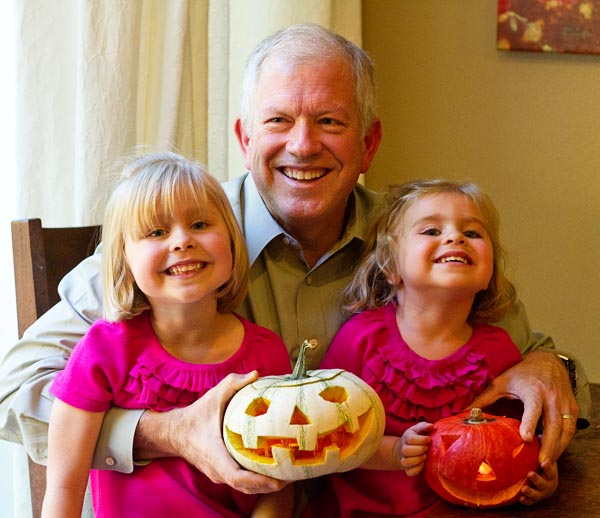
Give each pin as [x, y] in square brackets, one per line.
[260, 228]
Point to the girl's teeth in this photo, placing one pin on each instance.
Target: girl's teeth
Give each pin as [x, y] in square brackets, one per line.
[178, 270]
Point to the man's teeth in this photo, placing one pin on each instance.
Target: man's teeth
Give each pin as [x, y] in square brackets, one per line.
[184, 268]
[303, 175]
[453, 259]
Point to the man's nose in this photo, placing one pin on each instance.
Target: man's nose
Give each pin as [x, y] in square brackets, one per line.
[303, 140]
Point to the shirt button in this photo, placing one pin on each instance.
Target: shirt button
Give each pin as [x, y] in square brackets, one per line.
[286, 241]
[110, 461]
[309, 280]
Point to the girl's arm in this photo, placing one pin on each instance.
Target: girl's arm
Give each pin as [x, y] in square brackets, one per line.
[406, 453]
[72, 437]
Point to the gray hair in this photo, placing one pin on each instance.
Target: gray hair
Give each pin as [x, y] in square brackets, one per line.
[307, 42]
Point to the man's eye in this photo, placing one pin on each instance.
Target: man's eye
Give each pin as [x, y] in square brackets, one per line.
[431, 232]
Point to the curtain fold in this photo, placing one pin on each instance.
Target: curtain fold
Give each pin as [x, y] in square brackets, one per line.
[100, 78]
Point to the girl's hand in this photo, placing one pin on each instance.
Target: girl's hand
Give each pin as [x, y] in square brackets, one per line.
[540, 486]
[411, 449]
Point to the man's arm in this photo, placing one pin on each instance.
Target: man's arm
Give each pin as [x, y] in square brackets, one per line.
[195, 433]
[29, 367]
[542, 383]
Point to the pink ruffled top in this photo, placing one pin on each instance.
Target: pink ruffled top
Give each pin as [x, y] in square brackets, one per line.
[412, 389]
[123, 364]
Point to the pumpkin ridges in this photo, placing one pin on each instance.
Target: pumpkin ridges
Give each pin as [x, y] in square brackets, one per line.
[456, 453]
[328, 421]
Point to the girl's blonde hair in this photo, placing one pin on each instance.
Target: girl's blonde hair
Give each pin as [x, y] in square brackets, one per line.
[372, 286]
[151, 187]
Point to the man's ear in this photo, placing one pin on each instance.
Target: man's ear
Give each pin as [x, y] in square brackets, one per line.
[371, 141]
[244, 141]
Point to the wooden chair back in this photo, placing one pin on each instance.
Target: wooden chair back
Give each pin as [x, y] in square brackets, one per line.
[42, 256]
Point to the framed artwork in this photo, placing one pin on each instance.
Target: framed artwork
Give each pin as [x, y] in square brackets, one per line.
[571, 26]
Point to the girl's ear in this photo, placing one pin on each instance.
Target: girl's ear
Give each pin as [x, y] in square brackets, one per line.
[393, 279]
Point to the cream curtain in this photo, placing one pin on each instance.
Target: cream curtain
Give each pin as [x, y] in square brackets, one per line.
[98, 78]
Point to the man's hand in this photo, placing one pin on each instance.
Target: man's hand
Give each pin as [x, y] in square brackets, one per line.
[541, 382]
[194, 433]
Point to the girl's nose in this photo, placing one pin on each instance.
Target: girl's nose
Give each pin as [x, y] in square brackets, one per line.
[181, 240]
[455, 237]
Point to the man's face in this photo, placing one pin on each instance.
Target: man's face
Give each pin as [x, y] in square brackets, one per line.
[304, 147]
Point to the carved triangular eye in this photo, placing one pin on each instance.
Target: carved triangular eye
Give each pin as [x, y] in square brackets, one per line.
[334, 394]
[299, 417]
[448, 441]
[485, 472]
[258, 406]
[517, 450]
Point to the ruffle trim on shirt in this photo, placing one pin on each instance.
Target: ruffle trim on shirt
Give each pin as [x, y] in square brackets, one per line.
[412, 390]
[161, 387]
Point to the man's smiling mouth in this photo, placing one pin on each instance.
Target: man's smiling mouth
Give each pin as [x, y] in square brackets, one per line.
[298, 174]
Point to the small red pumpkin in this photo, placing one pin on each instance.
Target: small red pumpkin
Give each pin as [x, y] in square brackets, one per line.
[479, 460]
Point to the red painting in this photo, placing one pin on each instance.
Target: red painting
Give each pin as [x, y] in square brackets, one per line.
[549, 26]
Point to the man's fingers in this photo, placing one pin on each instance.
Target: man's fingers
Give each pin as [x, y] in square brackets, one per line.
[254, 483]
[559, 428]
[531, 412]
[234, 382]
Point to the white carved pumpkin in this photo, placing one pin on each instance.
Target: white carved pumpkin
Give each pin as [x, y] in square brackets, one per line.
[305, 424]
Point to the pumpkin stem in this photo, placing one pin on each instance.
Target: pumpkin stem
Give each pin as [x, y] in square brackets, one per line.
[300, 367]
[476, 416]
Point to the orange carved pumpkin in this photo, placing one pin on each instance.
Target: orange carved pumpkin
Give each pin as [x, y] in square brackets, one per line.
[305, 424]
[479, 460]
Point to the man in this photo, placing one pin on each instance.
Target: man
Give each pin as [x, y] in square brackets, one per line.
[308, 129]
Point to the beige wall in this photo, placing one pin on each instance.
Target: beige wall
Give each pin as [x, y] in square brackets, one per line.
[524, 125]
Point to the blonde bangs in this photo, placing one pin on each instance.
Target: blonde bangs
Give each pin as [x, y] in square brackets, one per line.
[154, 197]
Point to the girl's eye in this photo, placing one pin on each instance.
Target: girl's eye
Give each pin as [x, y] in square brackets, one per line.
[199, 225]
[431, 232]
[472, 234]
[156, 233]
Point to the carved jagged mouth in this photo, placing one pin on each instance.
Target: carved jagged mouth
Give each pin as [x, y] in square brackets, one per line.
[482, 498]
[270, 448]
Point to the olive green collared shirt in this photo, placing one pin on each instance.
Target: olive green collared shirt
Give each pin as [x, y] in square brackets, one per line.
[285, 294]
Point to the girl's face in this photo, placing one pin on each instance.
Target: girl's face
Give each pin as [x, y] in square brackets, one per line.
[185, 259]
[442, 242]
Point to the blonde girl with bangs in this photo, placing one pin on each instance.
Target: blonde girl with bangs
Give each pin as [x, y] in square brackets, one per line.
[431, 282]
[175, 268]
